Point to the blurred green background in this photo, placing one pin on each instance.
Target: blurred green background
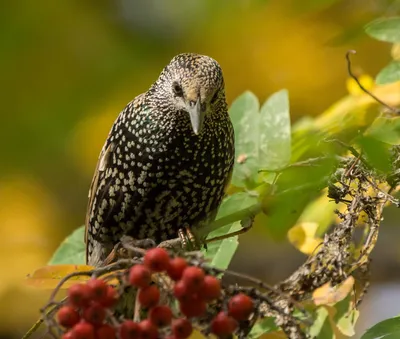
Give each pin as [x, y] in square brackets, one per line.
[68, 67]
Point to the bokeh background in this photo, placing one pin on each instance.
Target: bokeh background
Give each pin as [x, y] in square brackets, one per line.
[68, 67]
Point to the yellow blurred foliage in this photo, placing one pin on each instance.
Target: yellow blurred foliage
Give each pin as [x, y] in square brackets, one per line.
[274, 335]
[28, 217]
[351, 111]
[89, 134]
[302, 236]
[395, 52]
[315, 220]
[73, 52]
[48, 277]
[326, 294]
[354, 89]
[278, 49]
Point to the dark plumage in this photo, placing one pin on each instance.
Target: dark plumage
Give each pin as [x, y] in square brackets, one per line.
[166, 161]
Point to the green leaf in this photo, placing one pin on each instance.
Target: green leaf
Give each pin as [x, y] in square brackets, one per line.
[245, 117]
[274, 130]
[388, 329]
[391, 73]
[72, 250]
[376, 152]
[384, 29]
[386, 130]
[346, 316]
[221, 252]
[233, 203]
[262, 139]
[298, 186]
[321, 328]
[262, 327]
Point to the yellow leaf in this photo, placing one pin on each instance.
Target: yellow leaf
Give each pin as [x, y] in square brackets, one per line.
[326, 294]
[321, 211]
[302, 236]
[395, 52]
[196, 335]
[274, 335]
[365, 80]
[48, 277]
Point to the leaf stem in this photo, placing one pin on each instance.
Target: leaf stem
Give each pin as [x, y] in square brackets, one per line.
[231, 218]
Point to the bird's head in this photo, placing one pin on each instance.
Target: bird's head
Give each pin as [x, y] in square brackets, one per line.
[194, 84]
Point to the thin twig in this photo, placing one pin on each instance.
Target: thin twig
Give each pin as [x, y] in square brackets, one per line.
[354, 77]
[257, 282]
[388, 196]
[33, 329]
[311, 162]
[231, 218]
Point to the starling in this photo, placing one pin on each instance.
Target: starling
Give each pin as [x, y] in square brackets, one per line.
[166, 161]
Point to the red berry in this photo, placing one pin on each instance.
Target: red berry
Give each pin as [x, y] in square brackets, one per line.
[211, 288]
[139, 276]
[193, 277]
[94, 314]
[193, 308]
[98, 289]
[240, 306]
[148, 330]
[176, 268]
[129, 330]
[223, 325]
[149, 296]
[111, 297]
[181, 292]
[106, 332]
[160, 315]
[67, 316]
[68, 335]
[83, 330]
[182, 328]
[156, 259]
[79, 295]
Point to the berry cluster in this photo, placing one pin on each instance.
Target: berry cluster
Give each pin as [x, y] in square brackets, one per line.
[88, 313]
[84, 316]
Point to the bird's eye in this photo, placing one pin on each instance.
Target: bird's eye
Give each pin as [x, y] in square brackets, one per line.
[177, 89]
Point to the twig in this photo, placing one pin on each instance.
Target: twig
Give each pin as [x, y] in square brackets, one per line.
[311, 162]
[259, 283]
[354, 77]
[33, 329]
[62, 282]
[388, 196]
[231, 218]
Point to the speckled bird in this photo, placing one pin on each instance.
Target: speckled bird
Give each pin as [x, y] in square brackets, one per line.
[166, 161]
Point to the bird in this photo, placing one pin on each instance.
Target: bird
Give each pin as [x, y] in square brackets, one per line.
[166, 162]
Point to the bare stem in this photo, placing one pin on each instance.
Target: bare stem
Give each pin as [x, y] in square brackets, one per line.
[360, 85]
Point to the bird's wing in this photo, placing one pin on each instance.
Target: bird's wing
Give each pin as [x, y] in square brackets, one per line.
[102, 182]
[101, 166]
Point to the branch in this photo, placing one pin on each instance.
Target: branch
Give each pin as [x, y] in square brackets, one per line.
[354, 77]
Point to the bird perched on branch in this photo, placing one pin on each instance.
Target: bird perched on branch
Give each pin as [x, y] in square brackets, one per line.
[166, 161]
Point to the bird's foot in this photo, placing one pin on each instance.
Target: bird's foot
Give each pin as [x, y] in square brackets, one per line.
[186, 241]
[189, 239]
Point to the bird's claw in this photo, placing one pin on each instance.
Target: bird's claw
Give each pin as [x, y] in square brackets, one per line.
[189, 240]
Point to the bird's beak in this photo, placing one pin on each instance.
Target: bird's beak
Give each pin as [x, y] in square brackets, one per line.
[196, 115]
